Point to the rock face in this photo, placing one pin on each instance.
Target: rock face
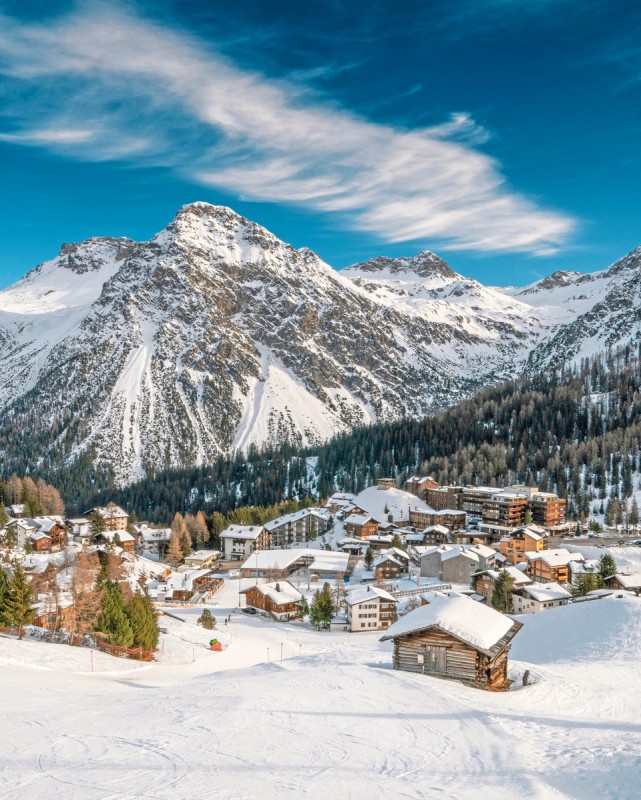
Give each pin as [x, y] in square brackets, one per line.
[216, 335]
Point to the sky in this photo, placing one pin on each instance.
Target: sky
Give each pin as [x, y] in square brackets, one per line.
[502, 135]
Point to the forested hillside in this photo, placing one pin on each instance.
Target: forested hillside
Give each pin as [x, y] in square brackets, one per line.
[577, 432]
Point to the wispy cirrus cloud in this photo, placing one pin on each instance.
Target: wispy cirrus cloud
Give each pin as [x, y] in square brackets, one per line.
[106, 83]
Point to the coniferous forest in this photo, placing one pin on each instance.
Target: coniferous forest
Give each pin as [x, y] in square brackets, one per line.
[576, 432]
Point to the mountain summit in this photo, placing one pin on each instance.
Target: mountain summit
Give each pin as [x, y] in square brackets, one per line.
[216, 335]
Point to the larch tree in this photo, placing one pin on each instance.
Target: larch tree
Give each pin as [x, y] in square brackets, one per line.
[13, 490]
[174, 552]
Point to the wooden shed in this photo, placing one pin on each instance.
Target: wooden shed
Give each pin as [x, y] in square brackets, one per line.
[455, 637]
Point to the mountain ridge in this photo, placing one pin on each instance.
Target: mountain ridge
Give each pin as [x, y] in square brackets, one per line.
[215, 335]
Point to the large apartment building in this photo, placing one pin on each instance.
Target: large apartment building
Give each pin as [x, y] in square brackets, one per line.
[509, 507]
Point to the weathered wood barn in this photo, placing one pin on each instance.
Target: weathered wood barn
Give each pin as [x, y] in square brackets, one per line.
[455, 637]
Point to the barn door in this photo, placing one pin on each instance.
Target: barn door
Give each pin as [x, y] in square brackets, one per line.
[435, 659]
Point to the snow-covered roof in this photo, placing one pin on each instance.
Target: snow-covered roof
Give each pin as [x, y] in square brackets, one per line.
[543, 592]
[295, 516]
[273, 559]
[280, 592]
[382, 559]
[395, 551]
[553, 558]
[519, 578]
[155, 534]
[374, 501]
[39, 535]
[317, 560]
[203, 555]
[471, 622]
[249, 532]
[447, 512]
[474, 552]
[326, 561]
[629, 581]
[110, 511]
[358, 519]
[124, 536]
[361, 594]
[436, 529]
[420, 507]
[47, 523]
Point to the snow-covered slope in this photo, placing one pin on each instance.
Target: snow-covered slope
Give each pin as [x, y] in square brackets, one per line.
[216, 335]
[289, 712]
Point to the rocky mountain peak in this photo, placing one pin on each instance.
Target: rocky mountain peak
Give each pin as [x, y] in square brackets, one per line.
[553, 281]
[425, 264]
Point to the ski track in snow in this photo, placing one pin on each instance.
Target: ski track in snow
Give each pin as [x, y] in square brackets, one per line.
[331, 720]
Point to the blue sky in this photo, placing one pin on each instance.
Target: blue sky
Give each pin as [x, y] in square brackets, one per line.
[503, 135]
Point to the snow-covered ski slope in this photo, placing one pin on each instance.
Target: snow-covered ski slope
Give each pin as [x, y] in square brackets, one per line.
[331, 720]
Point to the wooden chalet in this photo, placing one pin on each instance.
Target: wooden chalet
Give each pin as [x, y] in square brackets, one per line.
[388, 566]
[361, 526]
[40, 542]
[116, 518]
[455, 637]
[280, 599]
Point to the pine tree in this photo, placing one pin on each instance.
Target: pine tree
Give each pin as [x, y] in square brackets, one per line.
[4, 517]
[304, 607]
[185, 544]
[207, 620]
[397, 542]
[502, 594]
[634, 513]
[113, 619]
[322, 608]
[586, 583]
[4, 591]
[607, 566]
[98, 524]
[369, 558]
[18, 600]
[144, 622]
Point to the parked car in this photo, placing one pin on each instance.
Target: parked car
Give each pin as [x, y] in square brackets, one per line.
[249, 610]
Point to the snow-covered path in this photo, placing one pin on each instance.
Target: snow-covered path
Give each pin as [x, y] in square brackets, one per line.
[335, 721]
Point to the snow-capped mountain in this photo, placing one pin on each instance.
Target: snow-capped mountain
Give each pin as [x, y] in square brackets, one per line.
[216, 335]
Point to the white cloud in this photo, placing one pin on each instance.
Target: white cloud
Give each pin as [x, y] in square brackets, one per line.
[104, 83]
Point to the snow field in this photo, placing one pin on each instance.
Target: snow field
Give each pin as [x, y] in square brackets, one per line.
[331, 719]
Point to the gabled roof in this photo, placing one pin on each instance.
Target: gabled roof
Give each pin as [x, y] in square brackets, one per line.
[543, 592]
[553, 558]
[358, 519]
[519, 578]
[363, 593]
[295, 516]
[473, 623]
[280, 592]
[382, 559]
[436, 529]
[249, 532]
[628, 581]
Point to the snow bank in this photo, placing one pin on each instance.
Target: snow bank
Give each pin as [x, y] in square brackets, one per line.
[60, 657]
[595, 630]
